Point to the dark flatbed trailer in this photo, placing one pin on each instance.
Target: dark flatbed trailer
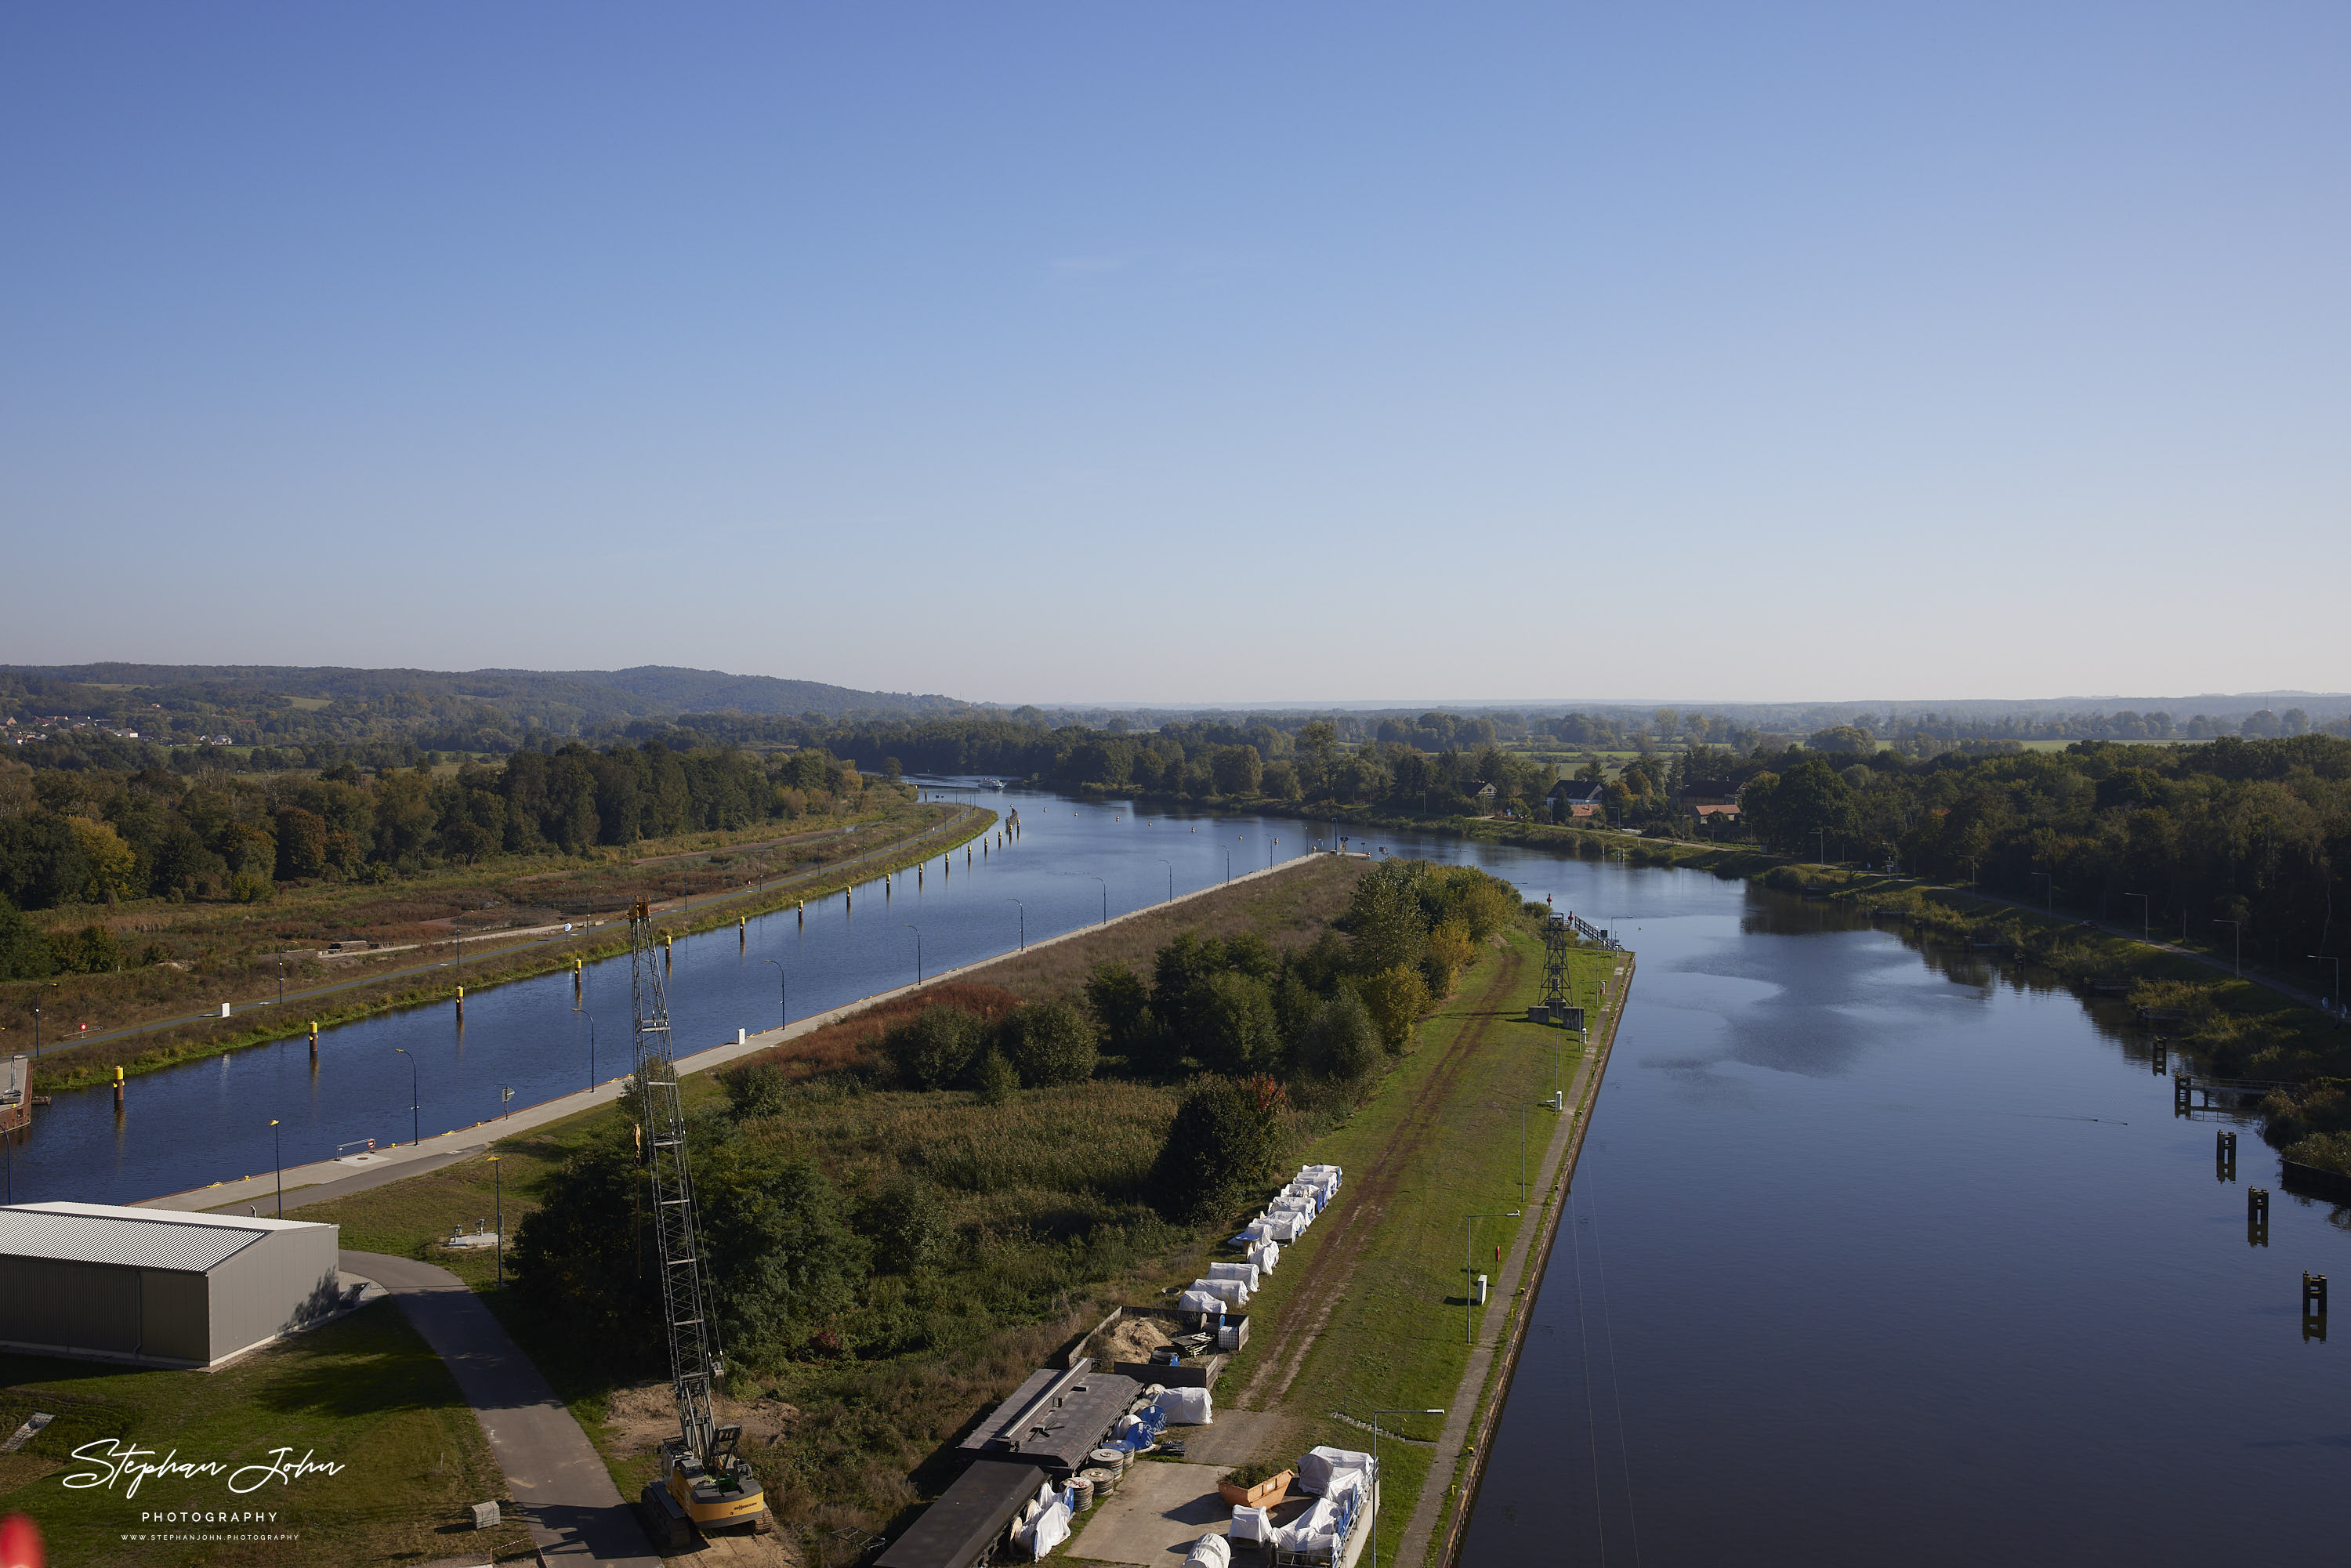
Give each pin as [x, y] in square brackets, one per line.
[967, 1523]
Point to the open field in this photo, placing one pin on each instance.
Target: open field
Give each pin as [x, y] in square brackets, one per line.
[363, 1393]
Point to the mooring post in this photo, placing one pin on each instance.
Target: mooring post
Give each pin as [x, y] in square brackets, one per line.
[801, 908]
[2314, 1306]
[118, 1091]
[2224, 1157]
[2162, 1058]
[2257, 1217]
[2181, 1096]
[314, 1039]
[461, 1001]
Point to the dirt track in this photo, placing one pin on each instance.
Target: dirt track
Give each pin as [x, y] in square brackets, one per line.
[1334, 1263]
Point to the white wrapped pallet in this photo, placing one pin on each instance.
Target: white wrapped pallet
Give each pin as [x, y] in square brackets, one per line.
[1264, 1255]
[1317, 1470]
[1202, 1301]
[1186, 1407]
[1233, 1291]
[1047, 1530]
[1211, 1550]
[1245, 1272]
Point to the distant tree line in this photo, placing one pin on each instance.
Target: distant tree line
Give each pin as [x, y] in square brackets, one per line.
[2257, 832]
[106, 836]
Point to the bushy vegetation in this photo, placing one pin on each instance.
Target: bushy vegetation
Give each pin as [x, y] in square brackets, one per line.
[963, 1158]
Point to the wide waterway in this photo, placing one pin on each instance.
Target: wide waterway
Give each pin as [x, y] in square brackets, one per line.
[1879, 1253]
[1883, 1255]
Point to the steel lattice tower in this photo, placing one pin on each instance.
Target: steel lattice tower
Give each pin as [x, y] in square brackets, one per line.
[1555, 968]
[676, 1232]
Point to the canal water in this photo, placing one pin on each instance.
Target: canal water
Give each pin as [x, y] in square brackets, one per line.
[1879, 1253]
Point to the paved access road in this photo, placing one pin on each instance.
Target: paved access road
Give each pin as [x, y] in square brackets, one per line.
[567, 1498]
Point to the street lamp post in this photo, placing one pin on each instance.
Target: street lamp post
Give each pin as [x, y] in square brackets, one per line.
[278, 1155]
[415, 1099]
[918, 948]
[1228, 865]
[1024, 921]
[1469, 1272]
[2048, 891]
[1171, 880]
[1105, 887]
[2236, 926]
[2328, 959]
[2146, 914]
[583, 1012]
[1525, 1106]
[1823, 834]
[1375, 1470]
[281, 979]
[499, 1181]
[783, 1003]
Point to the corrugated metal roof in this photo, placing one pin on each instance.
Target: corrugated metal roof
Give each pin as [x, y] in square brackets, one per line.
[134, 1238]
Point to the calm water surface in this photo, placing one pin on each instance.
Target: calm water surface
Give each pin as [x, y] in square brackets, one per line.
[1881, 1256]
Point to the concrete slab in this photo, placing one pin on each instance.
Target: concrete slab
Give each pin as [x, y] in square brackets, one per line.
[1157, 1512]
[1234, 1437]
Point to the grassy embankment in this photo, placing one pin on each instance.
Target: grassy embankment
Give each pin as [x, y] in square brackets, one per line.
[365, 1393]
[1366, 1312]
[804, 866]
[1043, 1195]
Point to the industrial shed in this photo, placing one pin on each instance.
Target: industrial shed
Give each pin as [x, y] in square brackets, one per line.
[156, 1287]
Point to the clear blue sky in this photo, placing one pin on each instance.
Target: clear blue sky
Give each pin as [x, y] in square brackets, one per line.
[1199, 352]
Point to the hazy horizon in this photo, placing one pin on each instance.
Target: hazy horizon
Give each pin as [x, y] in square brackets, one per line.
[1093, 350]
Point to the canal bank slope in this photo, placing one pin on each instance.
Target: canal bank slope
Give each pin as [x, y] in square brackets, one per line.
[1443, 1518]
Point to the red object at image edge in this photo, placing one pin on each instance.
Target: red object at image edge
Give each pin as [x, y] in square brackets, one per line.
[20, 1542]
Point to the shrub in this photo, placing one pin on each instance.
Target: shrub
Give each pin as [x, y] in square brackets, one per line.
[1341, 1044]
[755, 1088]
[1121, 1005]
[1395, 999]
[1450, 950]
[906, 1223]
[1050, 1043]
[1234, 1031]
[996, 1078]
[1227, 1145]
[2327, 1151]
[934, 1048]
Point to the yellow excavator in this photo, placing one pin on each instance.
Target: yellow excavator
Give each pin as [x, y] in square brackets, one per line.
[704, 1484]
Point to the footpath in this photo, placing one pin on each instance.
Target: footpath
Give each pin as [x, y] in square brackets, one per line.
[1476, 1407]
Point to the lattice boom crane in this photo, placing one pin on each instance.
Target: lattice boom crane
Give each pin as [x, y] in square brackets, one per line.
[703, 1481]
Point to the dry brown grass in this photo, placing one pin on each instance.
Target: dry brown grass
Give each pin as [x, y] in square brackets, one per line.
[1289, 910]
[853, 1041]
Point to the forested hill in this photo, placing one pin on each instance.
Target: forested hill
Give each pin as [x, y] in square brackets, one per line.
[492, 711]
